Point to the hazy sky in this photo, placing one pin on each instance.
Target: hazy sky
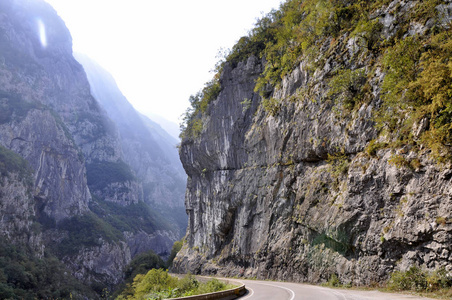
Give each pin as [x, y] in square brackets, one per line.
[159, 52]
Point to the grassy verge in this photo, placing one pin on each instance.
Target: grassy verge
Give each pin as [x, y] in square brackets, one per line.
[432, 284]
[158, 284]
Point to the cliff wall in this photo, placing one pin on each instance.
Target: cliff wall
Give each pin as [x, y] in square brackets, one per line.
[290, 184]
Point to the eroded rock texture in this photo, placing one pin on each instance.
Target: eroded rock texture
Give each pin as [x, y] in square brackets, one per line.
[292, 194]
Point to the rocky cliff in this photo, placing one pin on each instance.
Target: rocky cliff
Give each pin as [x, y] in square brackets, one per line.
[311, 155]
[67, 190]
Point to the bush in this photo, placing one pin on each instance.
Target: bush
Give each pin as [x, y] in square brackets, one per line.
[339, 163]
[188, 285]
[439, 279]
[176, 248]
[399, 161]
[346, 86]
[373, 147]
[142, 263]
[211, 286]
[414, 279]
[156, 280]
[333, 281]
[12, 162]
[418, 280]
[272, 106]
[370, 31]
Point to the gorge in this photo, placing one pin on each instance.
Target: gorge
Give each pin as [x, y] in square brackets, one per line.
[320, 149]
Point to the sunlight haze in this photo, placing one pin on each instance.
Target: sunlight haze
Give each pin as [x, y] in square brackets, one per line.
[159, 52]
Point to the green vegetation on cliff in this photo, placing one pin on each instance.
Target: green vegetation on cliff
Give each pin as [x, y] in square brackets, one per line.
[106, 223]
[192, 123]
[85, 231]
[416, 88]
[12, 162]
[12, 107]
[132, 218]
[102, 173]
[25, 276]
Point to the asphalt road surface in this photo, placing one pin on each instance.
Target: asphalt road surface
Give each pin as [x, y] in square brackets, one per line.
[260, 290]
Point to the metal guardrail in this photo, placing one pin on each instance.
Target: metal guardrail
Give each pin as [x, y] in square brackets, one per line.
[223, 295]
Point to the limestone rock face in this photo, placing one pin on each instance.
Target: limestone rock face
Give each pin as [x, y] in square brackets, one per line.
[17, 206]
[60, 180]
[100, 264]
[48, 108]
[293, 194]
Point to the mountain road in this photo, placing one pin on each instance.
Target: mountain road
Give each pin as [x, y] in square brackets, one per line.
[260, 290]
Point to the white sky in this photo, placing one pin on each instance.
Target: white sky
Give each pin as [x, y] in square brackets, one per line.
[159, 52]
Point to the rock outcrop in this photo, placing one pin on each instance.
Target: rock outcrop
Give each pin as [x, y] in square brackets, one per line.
[290, 187]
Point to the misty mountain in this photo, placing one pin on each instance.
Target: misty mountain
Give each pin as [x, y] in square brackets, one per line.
[86, 183]
[172, 128]
[148, 149]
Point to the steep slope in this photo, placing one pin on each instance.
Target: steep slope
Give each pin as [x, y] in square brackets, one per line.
[51, 120]
[66, 190]
[148, 149]
[310, 155]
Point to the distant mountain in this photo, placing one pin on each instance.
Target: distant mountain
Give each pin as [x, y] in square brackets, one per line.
[172, 128]
[167, 142]
[148, 149]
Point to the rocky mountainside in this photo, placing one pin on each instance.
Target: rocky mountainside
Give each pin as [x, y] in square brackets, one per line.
[69, 193]
[323, 146]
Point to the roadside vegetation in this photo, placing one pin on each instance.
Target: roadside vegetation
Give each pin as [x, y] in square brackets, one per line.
[147, 277]
[140, 266]
[427, 283]
[158, 284]
[435, 284]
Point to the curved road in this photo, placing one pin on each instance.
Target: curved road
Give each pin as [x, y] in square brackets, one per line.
[264, 290]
